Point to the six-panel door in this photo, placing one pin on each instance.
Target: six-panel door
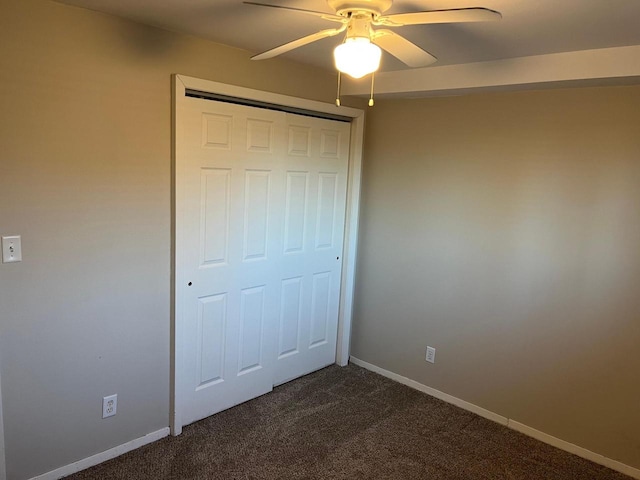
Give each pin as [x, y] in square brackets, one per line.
[263, 225]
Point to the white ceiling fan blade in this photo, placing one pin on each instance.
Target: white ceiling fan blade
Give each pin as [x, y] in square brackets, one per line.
[456, 15]
[299, 43]
[401, 48]
[326, 16]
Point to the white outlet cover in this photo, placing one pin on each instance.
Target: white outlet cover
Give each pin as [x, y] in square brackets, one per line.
[431, 355]
[11, 249]
[109, 406]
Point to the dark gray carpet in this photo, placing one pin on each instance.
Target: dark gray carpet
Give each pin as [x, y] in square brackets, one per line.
[347, 423]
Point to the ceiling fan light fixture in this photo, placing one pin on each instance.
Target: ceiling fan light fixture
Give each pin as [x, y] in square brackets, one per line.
[357, 57]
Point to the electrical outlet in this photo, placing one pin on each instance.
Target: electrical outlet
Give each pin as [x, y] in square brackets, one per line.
[109, 405]
[431, 355]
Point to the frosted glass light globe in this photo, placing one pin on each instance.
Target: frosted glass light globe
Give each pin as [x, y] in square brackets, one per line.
[357, 57]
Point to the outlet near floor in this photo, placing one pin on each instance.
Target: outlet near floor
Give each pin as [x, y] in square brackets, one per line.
[431, 355]
[109, 405]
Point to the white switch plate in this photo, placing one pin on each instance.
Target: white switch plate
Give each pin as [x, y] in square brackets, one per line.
[11, 249]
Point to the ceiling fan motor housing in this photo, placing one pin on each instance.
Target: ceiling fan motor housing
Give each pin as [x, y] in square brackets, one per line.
[359, 26]
[345, 7]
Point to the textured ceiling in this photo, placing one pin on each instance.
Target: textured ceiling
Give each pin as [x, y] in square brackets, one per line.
[528, 27]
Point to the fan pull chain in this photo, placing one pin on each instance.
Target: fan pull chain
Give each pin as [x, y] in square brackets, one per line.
[371, 97]
[338, 94]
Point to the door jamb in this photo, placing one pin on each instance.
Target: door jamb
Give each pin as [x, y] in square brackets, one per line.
[180, 84]
[3, 466]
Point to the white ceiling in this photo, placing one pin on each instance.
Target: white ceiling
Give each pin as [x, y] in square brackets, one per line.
[528, 28]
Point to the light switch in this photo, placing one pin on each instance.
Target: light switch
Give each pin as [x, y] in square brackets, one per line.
[11, 249]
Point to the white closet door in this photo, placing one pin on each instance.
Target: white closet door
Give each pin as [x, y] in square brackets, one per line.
[262, 222]
[311, 264]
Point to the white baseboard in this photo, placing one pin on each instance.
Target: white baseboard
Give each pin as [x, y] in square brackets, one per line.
[103, 456]
[531, 432]
[575, 449]
[494, 417]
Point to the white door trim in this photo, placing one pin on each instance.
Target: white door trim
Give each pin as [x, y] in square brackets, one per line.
[180, 84]
[3, 467]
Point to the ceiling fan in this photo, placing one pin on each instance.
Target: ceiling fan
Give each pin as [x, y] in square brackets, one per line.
[360, 52]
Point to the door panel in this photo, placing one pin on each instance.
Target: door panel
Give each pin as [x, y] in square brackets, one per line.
[214, 218]
[212, 316]
[290, 316]
[295, 212]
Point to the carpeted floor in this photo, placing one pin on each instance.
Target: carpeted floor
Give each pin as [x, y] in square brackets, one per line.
[347, 423]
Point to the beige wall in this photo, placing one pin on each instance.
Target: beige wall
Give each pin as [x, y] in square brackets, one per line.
[495, 227]
[504, 230]
[85, 178]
